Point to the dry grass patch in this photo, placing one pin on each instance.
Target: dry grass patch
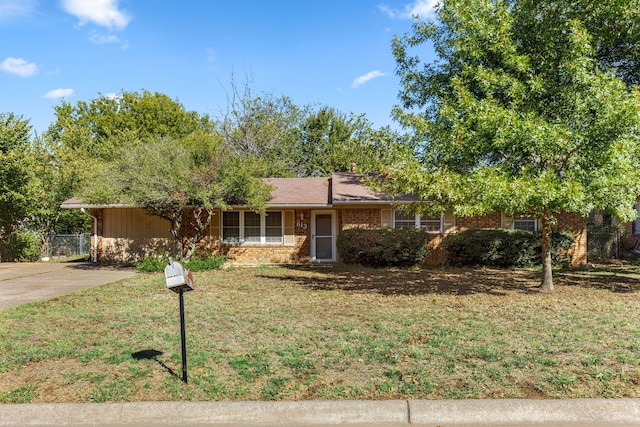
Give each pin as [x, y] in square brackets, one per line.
[331, 332]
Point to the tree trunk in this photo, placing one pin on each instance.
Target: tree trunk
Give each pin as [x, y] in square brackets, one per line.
[176, 224]
[201, 227]
[547, 272]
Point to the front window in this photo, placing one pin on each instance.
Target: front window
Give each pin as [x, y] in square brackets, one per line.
[432, 224]
[273, 227]
[251, 227]
[231, 227]
[525, 223]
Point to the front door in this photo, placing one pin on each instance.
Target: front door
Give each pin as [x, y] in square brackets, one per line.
[323, 244]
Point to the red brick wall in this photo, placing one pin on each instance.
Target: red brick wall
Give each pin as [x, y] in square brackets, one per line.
[359, 218]
[486, 221]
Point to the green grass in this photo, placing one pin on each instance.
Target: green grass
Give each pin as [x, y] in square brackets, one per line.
[331, 332]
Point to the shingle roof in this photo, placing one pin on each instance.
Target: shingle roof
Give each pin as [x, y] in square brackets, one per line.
[299, 191]
[348, 187]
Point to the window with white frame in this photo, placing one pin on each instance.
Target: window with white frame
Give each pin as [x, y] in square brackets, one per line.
[525, 223]
[251, 227]
[432, 224]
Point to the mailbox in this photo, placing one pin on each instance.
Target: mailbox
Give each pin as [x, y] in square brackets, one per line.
[178, 279]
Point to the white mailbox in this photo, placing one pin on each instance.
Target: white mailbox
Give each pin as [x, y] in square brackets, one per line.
[177, 278]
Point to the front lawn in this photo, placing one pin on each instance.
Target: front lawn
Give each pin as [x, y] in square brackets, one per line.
[331, 332]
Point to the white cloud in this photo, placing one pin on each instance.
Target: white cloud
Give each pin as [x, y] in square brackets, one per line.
[211, 55]
[104, 13]
[12, 8]
[98, 38]
[365, 78]
[58, 93]
[19, 67]
[423, 8]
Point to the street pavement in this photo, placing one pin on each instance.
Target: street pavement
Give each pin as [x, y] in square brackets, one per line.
[22, 283]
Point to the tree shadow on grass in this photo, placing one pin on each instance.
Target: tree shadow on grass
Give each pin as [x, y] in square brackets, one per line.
[387, 281]
[151, 354]
[621, 278]
[458, 281]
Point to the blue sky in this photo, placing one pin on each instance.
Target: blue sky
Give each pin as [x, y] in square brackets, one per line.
[329, 52]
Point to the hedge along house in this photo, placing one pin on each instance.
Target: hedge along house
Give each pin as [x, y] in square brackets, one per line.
[301, 224]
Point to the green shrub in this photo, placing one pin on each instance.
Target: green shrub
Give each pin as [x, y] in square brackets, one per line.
[382, 247]
[157, 262]
[20, 245]
[213, 262]
[504, 248]
[153, 263]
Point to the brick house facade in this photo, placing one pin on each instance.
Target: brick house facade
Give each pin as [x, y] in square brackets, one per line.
[301, 224]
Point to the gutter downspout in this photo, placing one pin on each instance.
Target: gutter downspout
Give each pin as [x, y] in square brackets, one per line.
[95, 234]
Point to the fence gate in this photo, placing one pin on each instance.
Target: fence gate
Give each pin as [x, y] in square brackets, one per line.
[66, 245]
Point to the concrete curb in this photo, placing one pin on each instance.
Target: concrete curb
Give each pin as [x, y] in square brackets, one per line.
[508, 412]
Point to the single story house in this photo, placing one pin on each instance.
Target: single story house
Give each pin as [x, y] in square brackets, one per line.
[301, 224]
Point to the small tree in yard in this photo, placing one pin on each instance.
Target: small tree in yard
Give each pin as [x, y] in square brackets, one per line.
[522, 112]
[180, 180]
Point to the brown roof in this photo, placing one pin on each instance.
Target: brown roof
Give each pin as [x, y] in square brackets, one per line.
[348, 187]
[299, 191]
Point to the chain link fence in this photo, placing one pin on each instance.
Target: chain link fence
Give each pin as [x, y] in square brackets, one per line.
[67, 245]
[604, 243]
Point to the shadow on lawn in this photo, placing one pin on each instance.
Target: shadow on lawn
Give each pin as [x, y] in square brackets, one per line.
[455, 281]
[151, 354]
[458, 281]
[623, 278]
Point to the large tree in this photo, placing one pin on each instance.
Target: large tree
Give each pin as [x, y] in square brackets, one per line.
[180, 180]
[57, 172]
[528, 108]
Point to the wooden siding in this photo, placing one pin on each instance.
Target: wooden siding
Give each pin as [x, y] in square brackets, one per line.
[130, 234]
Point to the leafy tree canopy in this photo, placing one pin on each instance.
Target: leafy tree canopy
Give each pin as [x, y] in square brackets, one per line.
[99, 126]
[180, 180]
[522, 111]
[16, 171]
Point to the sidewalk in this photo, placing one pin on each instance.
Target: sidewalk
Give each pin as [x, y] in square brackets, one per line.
[450, 413]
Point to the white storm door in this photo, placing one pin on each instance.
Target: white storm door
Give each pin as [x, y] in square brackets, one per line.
[323, 242]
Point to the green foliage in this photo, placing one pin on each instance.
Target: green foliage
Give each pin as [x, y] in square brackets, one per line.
[382, 247]
[157, 262]
[331, 142]
[154, 263]
[98, 127]
[213, 262]
[73, 221]
[17, 182]
[20, 245]
[503, 248]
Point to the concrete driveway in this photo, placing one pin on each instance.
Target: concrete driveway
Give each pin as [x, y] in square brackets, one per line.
[26, 282]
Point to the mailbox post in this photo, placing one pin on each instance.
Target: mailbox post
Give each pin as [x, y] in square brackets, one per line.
[180, 281]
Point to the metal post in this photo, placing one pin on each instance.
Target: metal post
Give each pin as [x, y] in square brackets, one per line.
[183, 337]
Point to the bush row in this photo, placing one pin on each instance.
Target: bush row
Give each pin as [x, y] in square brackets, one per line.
[382, 247]
[504, 248]
[476, 247]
